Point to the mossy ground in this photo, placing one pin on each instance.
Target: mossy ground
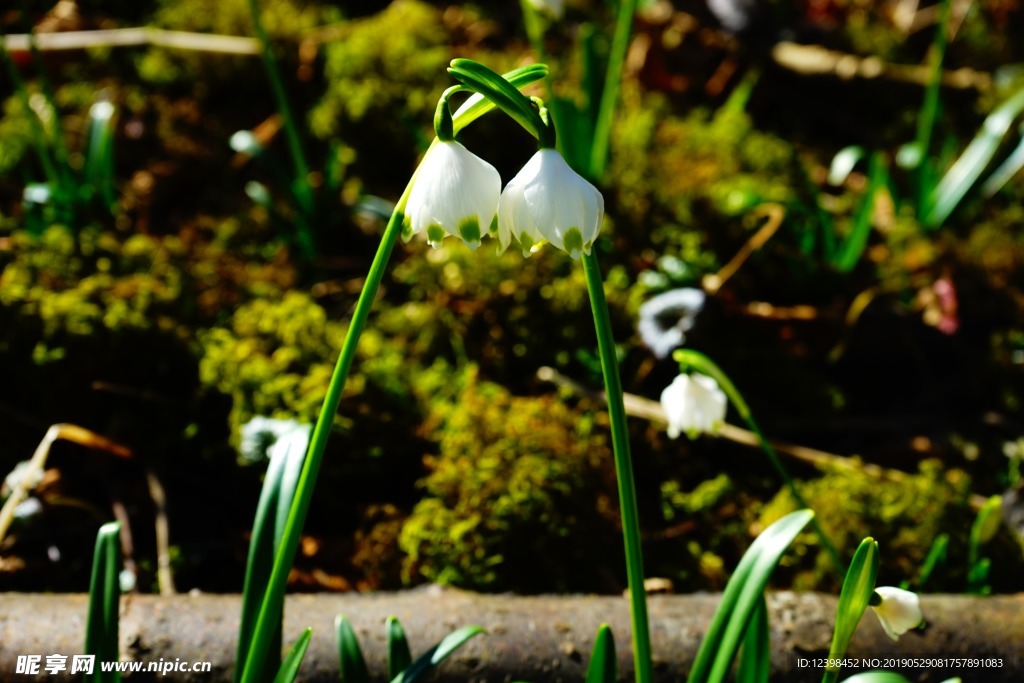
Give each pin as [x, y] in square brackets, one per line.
[169, 324]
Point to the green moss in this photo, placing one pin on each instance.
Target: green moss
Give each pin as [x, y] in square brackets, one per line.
[904, 517]
[675, 173]
[392, 63]
[515, 496]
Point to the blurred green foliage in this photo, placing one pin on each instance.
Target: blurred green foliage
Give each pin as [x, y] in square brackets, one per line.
[205, 326]
[905, 517]
[518, 495]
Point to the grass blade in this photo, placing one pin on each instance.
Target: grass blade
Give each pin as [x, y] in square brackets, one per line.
[603, 667]
[969, 167]
[853, 600]
[99, 155]
[741, 597]
[936, 556]
[101, 629]
[350, 655]
[272, 510]
[426, 662]
[399, 656]
[1006, 170]
[290, 667]
[853, 246]
[756, 655]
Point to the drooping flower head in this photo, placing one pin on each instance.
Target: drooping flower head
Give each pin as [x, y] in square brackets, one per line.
[550, 201]
[693, 405]
[899, 610]
[455, 193]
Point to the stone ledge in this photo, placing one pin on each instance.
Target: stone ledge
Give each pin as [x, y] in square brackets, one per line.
[543, 639]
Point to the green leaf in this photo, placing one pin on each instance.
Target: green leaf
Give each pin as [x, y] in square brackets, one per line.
[741, 598]
[426, 662]
[855, 597]
[853, 246]
[969, 167]
[877, 677]
[279, 486]
[101, 629]
[1006, 170]
[290, 667]
[399, 657]
[350, 655]
[756, 655]
[603, 667]
[936, 556]
[99, 155]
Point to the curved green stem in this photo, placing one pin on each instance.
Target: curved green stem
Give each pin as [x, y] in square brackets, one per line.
[273, 599]
[623, 470]
[701, 363]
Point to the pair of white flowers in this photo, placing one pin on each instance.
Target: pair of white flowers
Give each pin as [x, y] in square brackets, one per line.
[458, 193]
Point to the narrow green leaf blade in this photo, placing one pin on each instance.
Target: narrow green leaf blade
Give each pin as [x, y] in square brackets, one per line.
[722, 640]
[399, 656]
[858, 587]
[756, 655]
[969, 167]
[603, 667]
[350, 655]
[426, 662]
[101, 631]
[276, 496]
[290, 667]
[853, 246]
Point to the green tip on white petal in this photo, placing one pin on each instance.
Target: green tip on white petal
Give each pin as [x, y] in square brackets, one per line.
[435, 235]
[572, 242]
[469, 231]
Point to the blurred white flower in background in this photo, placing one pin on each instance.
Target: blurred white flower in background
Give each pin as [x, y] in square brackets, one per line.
[693, 405]
[665, 319]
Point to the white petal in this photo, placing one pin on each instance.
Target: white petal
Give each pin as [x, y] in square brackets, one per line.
[899, 612]
[557, 204]
[456, 191]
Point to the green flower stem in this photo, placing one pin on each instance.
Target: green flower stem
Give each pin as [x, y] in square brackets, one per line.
[612, 83]
[273, 601]
[701, 363]
[300, 186]
[623, 470]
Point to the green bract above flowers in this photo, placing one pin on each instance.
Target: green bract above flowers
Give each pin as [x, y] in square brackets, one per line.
[693, 405]
[455, 193]
[547, 200]
[899, 611]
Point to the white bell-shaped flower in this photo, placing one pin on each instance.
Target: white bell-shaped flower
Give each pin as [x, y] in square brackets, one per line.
[550, 201]
[899, 612]
[554, 8]
[455, 193]
[693, 405]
